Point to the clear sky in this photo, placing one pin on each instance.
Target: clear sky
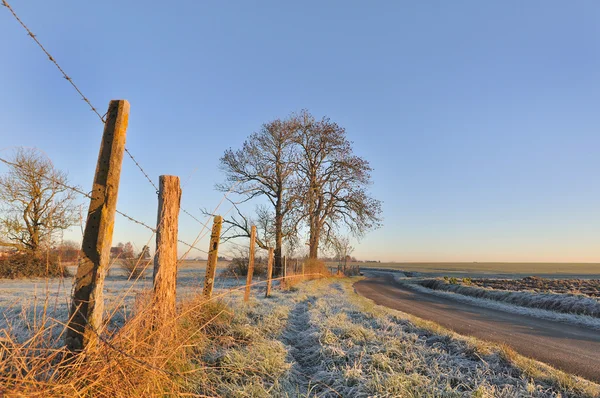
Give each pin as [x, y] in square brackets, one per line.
[481, 119]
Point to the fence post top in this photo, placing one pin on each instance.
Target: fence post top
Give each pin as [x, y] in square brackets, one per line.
[120, 102]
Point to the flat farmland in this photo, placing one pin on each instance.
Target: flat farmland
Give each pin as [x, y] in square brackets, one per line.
[501, 270]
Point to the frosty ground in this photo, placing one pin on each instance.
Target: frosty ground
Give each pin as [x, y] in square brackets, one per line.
[318, 338]
[322, 339]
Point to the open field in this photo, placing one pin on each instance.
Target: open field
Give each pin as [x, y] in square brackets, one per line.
[37, 296]
[507, 270]
[587, 287]
[565, 303]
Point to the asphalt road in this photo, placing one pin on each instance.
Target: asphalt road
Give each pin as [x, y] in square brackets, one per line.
[573, 349]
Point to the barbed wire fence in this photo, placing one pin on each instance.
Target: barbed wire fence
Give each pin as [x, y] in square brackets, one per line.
[194, 245]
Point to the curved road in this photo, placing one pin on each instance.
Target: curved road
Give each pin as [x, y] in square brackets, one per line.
[573, 349]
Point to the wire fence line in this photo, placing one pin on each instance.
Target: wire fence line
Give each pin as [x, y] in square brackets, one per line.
[203, 232]
[92, 108]
[89, 196]
[102, 119]
[70, 80]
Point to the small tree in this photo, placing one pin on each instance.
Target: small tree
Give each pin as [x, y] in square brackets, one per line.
[35, 202]
[343, 249]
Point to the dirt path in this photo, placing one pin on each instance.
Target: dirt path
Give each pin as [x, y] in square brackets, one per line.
[573, 349]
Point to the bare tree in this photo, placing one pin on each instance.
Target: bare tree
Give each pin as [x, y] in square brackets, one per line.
[343, 249]
[335, 182]
[264, 166]
[36, 204]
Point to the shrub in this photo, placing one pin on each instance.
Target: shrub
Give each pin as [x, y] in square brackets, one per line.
[29, 265]
[315, 266]
[312, 267]
[239, 267]
[134, 267]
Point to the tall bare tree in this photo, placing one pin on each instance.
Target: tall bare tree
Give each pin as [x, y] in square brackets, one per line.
[35, 202]
[335, 182]
[264, 166]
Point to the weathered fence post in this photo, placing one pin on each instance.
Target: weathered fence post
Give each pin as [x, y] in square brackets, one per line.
[213, 254]
[250, 263]
[164, 277]
[284, 271]
[269, 272]
[87, 302]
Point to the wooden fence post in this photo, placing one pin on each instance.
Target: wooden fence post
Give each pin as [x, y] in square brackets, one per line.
[250, 263]
[87, 306]
[284, 273]
[164, 277]
[269, 272]
[213, 254]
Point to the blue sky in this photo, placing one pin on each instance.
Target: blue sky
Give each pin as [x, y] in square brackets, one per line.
[480, 118]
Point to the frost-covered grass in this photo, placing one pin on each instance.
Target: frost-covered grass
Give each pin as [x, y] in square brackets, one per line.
[318, 338]
[559, 302]
[324, 340]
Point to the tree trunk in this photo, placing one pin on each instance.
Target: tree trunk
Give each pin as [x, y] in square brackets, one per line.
[278, 236]
[313, 242]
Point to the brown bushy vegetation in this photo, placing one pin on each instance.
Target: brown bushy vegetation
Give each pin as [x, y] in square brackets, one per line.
[28, 265]
[239, 267]
[135, 267]
[313, 269]
[142, 358]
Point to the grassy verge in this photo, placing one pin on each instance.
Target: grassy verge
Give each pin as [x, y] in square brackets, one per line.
[317, 338]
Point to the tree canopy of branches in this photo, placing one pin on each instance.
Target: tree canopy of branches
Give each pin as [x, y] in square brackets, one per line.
[307, 170]
[264, 166]
[334, 182]
[35, 202]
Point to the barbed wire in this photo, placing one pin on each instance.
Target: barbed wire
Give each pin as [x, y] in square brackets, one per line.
[77, 190]
[70, 80]
[103, 120]
[192, 216]
[190, 246]
[142, 170]
[52, 59]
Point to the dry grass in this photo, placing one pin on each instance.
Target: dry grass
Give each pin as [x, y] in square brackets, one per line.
[313, 269]
[142, 358]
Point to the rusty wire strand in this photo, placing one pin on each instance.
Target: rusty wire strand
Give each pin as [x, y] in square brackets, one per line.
[70, 80]
[142, 170]
[51, 58]
[79, 191]
[103, 120]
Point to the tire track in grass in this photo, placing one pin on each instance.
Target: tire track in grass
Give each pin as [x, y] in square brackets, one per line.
[305, 350]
